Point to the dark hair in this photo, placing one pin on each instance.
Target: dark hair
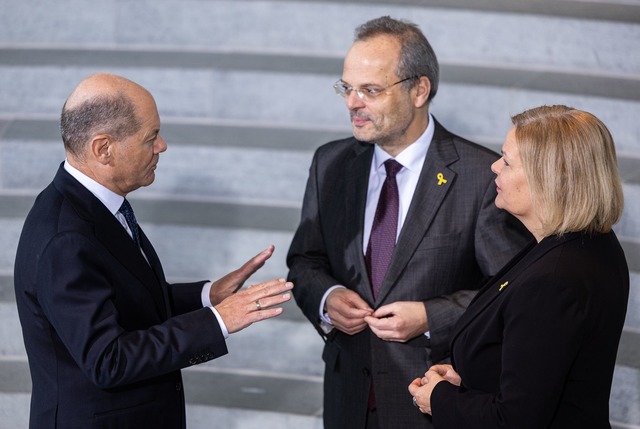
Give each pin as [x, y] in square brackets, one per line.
[113, 115]
[417, 57]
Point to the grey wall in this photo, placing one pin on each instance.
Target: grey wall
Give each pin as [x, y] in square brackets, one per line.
[244, 92]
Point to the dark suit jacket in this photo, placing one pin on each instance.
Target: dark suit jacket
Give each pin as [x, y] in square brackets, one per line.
[453, 238]
[541, 352]
[103, 348]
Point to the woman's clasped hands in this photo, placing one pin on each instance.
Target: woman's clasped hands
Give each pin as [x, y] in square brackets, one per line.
[421, 388]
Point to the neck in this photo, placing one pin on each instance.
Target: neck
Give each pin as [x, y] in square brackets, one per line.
[394, 146]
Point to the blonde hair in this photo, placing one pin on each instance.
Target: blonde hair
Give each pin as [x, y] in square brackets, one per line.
[569, 159]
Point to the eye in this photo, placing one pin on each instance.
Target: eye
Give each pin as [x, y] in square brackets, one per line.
[505, 161]
[373, 91]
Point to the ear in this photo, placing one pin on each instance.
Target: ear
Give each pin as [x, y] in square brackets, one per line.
[423, 89]
[101, 148]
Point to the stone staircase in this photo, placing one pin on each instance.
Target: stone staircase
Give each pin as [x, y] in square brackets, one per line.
[244, 93]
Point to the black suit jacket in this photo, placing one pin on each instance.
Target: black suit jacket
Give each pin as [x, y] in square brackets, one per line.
[540, 353]
[453, 238]
[105, 334]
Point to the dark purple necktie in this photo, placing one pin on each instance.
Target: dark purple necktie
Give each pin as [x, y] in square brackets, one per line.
[127, 211]
[383, 237]
[385, 226]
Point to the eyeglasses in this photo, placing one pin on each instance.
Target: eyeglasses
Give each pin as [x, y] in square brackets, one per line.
[366, 93]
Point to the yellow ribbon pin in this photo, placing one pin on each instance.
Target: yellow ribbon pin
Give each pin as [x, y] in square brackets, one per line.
[503, 285]
[441, 179]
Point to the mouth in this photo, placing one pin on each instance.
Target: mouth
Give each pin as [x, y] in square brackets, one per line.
[358, 119]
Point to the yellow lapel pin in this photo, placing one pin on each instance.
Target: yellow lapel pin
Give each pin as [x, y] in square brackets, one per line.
[441, 179]
[503, 285]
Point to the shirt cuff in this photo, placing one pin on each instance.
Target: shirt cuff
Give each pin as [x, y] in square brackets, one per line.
[325, 320]
[204, 295]
[223, 327]
[206, 302]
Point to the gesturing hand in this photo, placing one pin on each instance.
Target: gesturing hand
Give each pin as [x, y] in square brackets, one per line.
[254, 304]
[233, 281]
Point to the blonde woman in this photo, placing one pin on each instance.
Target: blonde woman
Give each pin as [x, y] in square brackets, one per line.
[537, 346]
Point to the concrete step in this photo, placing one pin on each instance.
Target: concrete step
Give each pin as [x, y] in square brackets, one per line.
[612, 10]
[14, 413]
[483, 34]
[257, 98]
[250, 81]
[285, 382]
[550, 77]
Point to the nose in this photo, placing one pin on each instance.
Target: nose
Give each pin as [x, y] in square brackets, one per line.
[161, 145]
[495, 166]
[353, 100]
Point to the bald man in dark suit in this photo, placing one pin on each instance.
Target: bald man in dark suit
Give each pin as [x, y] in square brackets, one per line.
[105, 334]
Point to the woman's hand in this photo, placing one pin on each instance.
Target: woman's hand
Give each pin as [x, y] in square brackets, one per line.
[421, 388]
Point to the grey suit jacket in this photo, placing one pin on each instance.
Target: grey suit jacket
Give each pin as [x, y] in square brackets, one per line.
[453, 238]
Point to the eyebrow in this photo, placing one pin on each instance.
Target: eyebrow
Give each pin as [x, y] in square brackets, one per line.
[153, 133]
[361, 86]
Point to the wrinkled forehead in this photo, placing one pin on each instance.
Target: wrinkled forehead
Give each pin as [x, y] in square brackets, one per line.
[372, 61]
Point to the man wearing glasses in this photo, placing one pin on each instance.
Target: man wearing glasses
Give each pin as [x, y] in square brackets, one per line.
[398, 230]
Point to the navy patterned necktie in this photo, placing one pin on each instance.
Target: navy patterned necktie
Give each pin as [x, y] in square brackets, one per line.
[385, 226]
[127, 211]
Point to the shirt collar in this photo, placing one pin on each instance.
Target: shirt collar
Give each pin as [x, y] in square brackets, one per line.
[412, 158]
[109, 198]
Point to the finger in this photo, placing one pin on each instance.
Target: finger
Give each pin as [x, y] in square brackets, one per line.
[268, 288]
[262, 257]
[384, 311]
[355, 313]
[255, 263]
[276, 287]
[348, 298]
[265, 314]
[349, 325]
[384, 324]
[264, 303]
[414, 386]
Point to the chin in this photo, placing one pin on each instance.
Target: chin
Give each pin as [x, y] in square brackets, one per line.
[359, 134]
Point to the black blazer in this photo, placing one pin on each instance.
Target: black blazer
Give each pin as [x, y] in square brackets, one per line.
[540, 352]
[453, 238]
[105, 334]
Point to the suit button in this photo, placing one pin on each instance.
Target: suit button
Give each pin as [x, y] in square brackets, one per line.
[366, 372]
[193, 361]
[178, 386]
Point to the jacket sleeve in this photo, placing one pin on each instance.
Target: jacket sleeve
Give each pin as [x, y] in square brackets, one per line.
[78, 294]
[307, 259]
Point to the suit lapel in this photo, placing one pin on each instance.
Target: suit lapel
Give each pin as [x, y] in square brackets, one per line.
[111, 234]
[427, 199]
[154, 262]
[505, 280]
[357, 181]
[118, 242]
